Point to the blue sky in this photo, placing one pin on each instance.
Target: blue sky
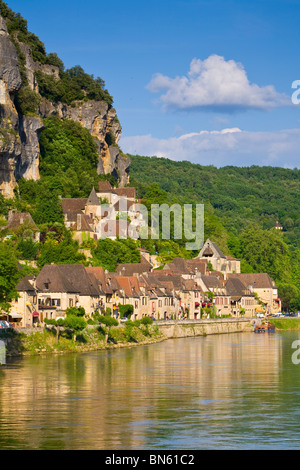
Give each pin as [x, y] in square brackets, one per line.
[206, 81]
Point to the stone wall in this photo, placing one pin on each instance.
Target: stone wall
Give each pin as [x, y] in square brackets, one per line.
[188, 328]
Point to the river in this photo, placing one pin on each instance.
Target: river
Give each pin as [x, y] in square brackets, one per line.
[231, 391]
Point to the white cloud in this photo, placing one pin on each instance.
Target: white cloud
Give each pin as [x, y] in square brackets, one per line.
[215, 84]
[220, 148]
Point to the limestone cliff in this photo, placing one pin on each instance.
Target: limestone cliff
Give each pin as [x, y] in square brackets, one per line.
[19, 131]
[10, 83]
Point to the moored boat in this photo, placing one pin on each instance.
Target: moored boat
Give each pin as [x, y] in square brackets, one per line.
[264, 328]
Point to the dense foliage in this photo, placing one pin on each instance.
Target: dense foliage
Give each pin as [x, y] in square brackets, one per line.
[68, 157]
[242, 206]
[73, 85]
[238, 196]
[109, 253]
[9, 275]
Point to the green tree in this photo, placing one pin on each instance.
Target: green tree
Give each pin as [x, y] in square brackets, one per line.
[64, 252]
[57, 324]
[266, 251]
[109, 253]
[77, 311]
[28, 249]
[108, 321]
[27, 101]
[9, 275]
[288, 294]
[146, 321]
[76, 324]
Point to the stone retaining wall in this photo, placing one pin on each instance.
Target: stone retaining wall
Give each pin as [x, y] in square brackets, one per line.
[187, 328]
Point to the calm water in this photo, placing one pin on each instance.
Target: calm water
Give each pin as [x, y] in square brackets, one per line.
[238, 391]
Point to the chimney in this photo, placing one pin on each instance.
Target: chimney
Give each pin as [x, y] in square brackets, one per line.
[79, 225]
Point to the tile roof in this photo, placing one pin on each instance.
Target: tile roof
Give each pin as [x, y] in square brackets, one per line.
[73, 204]
[70, 278]
[178, 265]
[93, 199]
[211, 247]
[100, 276]
[127, 192]
[85, 222]
[130, 285]
[255, 280]
[25, 286]
[236, 288]
[105, 187]
[16, 219]
[129, 269]
[211, 281]
[72, 207]
[197, 265]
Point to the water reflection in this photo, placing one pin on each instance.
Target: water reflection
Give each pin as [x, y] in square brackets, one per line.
[227, 391]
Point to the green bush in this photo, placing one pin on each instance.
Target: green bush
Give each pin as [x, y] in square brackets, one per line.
[108, 321]
[77, 311]
[74, 85]
[27, 101]
[125, 310]
[146, 321]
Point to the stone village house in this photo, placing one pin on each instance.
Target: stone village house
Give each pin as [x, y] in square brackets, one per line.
[181, 288]
[107, 213]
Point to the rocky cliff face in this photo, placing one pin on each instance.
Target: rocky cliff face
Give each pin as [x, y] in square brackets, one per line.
[19, 134]
[101, 123]
[10, 83]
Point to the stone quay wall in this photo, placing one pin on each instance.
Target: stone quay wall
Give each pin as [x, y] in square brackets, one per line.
[187, 328]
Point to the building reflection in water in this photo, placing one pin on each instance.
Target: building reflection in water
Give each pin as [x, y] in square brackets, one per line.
[184, 393]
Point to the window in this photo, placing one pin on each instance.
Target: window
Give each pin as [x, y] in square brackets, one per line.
[70, 302]
[160, 303]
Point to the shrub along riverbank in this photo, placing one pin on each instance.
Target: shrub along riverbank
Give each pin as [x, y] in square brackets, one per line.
[59, 340]
[47, 341]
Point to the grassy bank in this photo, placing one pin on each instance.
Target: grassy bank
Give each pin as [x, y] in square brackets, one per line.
[44, 341]
[286, 323]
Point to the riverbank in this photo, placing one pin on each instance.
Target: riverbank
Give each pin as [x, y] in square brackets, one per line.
[292, 324]
[43, 341]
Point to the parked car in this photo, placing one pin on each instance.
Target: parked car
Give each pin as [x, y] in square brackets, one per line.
[5, 324]
[123, 319]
